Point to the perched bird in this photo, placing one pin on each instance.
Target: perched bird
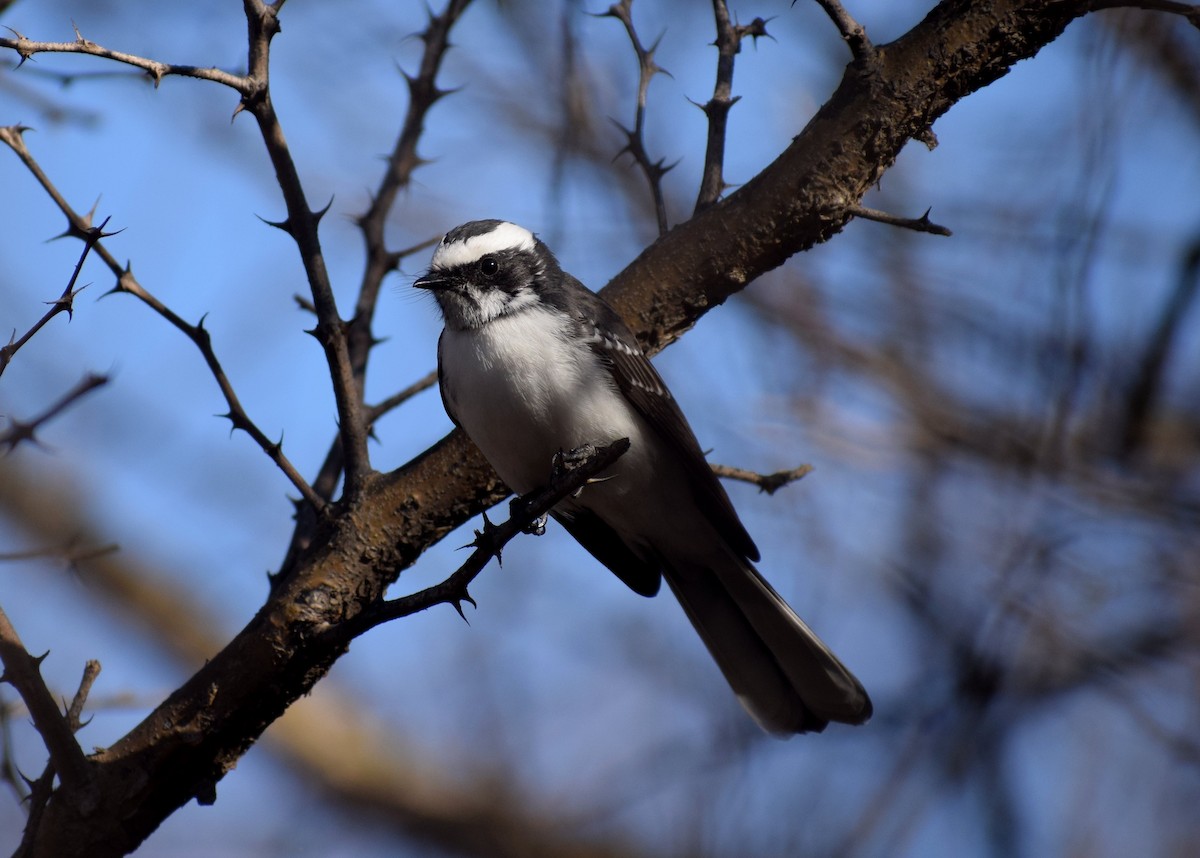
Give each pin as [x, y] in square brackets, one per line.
[531, 363]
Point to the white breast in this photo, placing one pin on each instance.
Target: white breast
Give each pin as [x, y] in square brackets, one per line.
[523, 391]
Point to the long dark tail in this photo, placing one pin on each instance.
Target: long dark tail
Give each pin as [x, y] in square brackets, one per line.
[782, 673]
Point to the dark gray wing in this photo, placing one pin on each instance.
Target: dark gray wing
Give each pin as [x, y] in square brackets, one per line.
[637, 378]
[444, 386]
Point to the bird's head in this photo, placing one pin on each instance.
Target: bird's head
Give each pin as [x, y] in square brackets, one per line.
[486, 269]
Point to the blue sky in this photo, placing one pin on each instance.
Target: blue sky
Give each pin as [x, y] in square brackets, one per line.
[558, 649]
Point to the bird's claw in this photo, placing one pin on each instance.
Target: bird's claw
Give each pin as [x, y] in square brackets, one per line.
[517, 509]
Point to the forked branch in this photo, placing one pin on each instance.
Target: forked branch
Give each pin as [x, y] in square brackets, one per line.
[729, 44]
[65, 303]
[80, 226]
[26, 430]
[22, 671]
[423, 94]
[852, 32]
[635, 137]
[301, 224]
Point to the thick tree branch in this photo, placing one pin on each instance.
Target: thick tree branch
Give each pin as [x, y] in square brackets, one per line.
[326, 738]
[805, 196]
[188, 743]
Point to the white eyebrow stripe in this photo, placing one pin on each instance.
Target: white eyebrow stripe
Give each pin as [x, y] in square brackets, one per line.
[506, 236]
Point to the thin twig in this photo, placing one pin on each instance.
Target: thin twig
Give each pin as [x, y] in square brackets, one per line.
[9, 773]
[331, 468]
[374, 412]
[301, 224]
[72, 555]
[65, 303]
[852, 32]
[78, 226]
[1187, 10]
[423, 94]
[729, 44]
[91, 669]
[21, 430]
[1148, 377]
[43, 788]
[636, 137]
[21, 670]
[156, 69]
[236, 415]
[920, 224]
[769, 483]
[525, 512]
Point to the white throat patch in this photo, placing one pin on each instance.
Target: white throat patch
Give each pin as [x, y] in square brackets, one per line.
[506, 236]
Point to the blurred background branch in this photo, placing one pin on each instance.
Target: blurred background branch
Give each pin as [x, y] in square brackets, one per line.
[1002, 530]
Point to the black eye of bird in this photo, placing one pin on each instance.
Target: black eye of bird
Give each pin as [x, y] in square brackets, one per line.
[488, 266]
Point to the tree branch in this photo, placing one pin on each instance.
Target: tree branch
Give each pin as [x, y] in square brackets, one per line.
[374, 412]
[769, 483]
[65, 303]
[570, 474]
[20, 430]
[79, 226]
[636, 137]
[156, 69]
[301, 224]
[1187, 10]
[729, 44]
[9, 773]
[326, 739]
[919, 224]
[852, 32]
[423, 94]
[21, 670]
[1147, 377]
[191, 740]
[803, 197]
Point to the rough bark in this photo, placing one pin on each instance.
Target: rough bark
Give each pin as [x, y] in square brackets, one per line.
[187, 744]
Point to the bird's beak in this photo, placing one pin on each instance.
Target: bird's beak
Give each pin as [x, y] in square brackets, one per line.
[429, 281]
